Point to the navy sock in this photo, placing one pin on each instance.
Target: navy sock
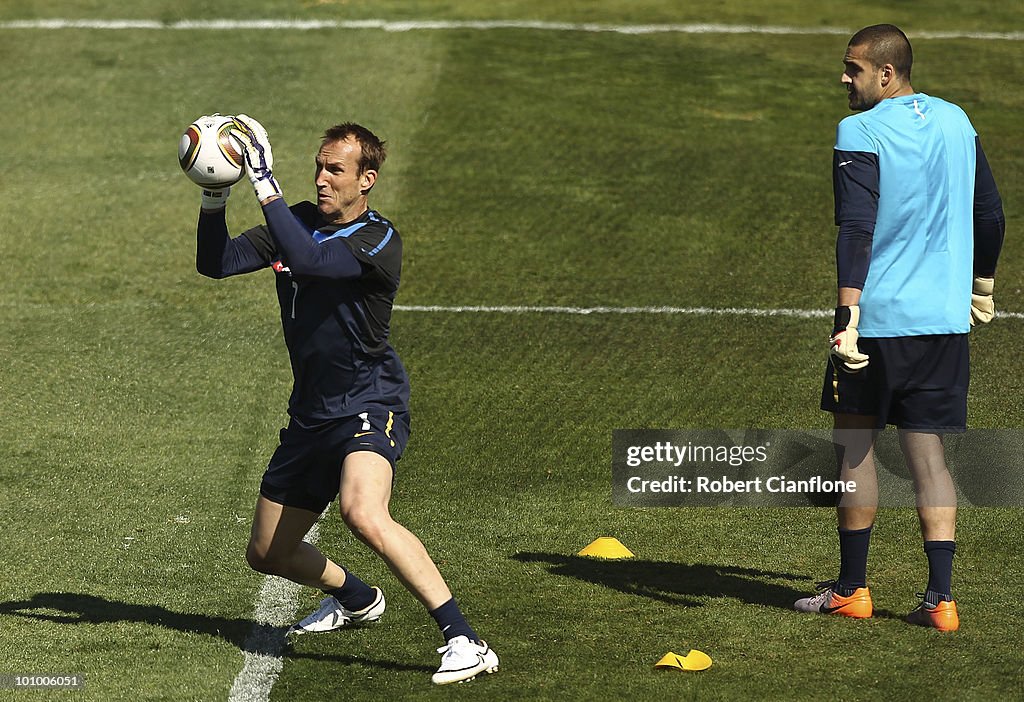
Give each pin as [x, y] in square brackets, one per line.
[940, 570]
[853, 560]
[354, 594]
[452, 623]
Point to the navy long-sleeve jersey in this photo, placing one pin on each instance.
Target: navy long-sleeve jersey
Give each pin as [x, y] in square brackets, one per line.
[336, 286]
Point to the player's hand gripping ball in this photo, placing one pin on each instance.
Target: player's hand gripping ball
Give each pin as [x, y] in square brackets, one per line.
[209, 154]
[259, 158]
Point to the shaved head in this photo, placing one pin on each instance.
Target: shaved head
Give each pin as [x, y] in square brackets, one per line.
[886, 44]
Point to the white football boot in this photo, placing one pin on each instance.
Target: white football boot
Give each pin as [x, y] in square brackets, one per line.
[332, 615]
[462, 660]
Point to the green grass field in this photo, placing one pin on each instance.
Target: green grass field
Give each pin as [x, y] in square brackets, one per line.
[140, 401]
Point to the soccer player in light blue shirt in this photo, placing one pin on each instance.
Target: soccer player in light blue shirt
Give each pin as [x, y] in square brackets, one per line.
[920, 229]
[921, 152]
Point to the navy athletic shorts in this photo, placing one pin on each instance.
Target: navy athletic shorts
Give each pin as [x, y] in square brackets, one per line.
[914, 382]
[305, 470]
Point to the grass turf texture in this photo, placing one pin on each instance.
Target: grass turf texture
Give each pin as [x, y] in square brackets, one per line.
[140, 402]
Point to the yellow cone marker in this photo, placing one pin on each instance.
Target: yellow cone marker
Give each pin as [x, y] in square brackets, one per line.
[694, 660]
[606, 547]
[670, 660]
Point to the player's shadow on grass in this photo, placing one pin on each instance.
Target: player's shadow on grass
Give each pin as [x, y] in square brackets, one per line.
[76, 608]
[247, 635]
[681, 584]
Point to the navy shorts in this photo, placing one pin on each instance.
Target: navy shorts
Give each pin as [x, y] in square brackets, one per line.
[305, 470]
[914, 382]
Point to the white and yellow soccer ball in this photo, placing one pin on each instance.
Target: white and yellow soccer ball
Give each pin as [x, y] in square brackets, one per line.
[209, 155]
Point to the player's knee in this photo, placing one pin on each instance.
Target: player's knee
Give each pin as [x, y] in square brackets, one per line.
[260, 560]
[367, 524]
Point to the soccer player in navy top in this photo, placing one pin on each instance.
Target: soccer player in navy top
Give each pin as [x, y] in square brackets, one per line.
[920, 230]
[337, 265]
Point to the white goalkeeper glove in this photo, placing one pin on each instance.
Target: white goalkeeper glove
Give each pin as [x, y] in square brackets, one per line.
[843, 342]
[982, 306]
[259, 158]
[215, 199]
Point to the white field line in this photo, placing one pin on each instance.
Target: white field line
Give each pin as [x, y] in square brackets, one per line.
[276, 607]
[431, 25]
[501, 309]
[555, 309]
[689, 311]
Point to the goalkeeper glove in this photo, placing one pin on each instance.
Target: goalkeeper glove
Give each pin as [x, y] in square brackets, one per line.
[843, 342]
[982, 306]
[259, 159]
[215, 199]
